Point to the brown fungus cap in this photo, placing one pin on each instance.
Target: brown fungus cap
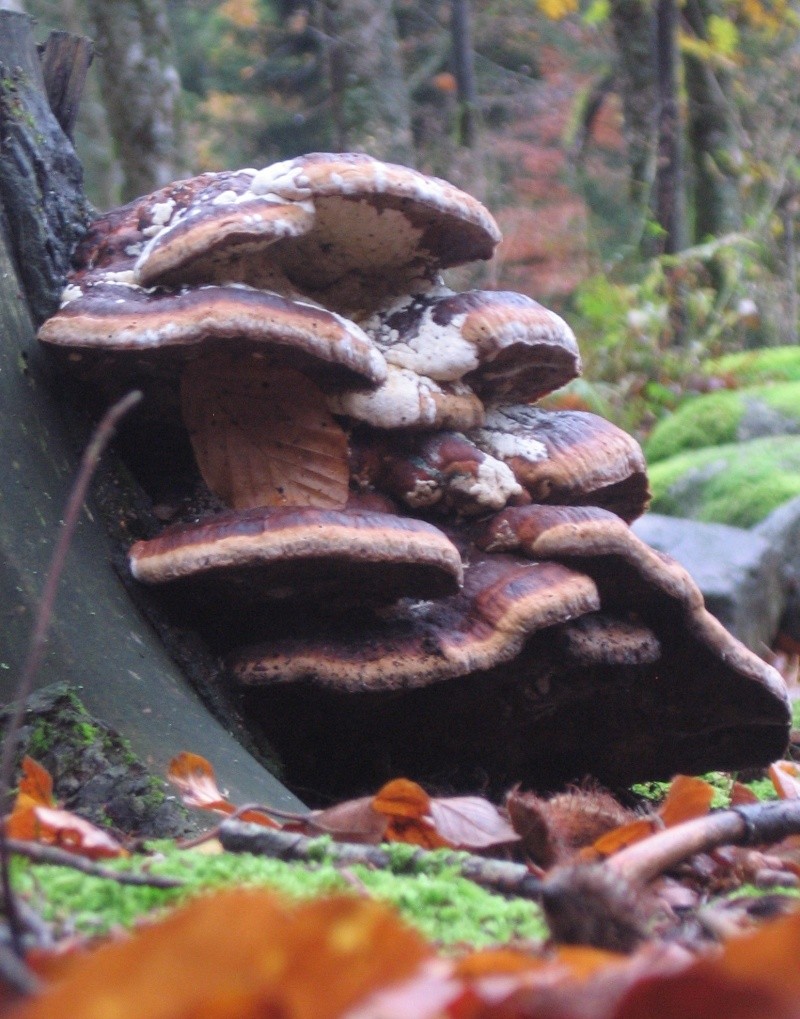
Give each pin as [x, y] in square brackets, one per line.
[369, 230]
[508, 347]
[115, 239]
[441, 472]
[642, 686]
[568, 458]
[234, 566]
[504, 600]
[630, 576]
[123, 327]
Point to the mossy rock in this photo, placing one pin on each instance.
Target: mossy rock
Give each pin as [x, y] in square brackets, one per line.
[735, 483]
[749, 367]
[731, 415]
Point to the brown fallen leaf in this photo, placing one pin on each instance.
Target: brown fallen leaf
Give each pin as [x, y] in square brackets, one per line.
[785, 777]
[242, 954]
[194, 778]
[36, 817]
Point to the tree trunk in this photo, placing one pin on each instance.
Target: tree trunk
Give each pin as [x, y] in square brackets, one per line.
[97, 639]
[669, 169]
[140, 88]
[634, 31]
[712, 136]
[464, 66]
[369, 98]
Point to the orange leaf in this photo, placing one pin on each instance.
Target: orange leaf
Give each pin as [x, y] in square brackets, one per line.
[407, 807]
[53, 827]
[402, 798]
[310, 961]
[625, 835]
[36, 783]
[687, 798]
[785, 777]
[195, 779]
[754, 977]
[742, 795]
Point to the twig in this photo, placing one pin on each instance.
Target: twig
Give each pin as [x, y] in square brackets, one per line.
[101, 437]
[16, 974]
[497, 875]
[751, 825]
[61, 858]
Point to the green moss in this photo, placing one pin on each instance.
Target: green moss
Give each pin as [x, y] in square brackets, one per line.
[727, 416]
[706, 421]
[769, 364]
[736, 483]
[40, 740]
[445, 906]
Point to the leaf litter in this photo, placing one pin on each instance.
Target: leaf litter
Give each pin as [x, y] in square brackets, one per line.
[651, 912]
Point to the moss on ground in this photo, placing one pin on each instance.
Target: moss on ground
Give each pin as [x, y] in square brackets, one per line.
[736, 483]
[446, 907]
[749, 367]
[731, 415]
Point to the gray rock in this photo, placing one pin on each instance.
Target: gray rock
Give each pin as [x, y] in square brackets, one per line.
[781, 529]
[740, 572]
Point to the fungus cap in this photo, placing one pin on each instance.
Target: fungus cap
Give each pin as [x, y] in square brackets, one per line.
[568, 457]
[507, 346]
[369, 230]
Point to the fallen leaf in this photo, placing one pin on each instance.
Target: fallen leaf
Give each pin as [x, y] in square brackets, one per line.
[242, 954]
[263, 435]
[36, 783]
[351, 821]
[54, 827]
[741, 795]
[194, 778]
[471, 822]
[687, 797]
[785, 777]
[625, 835]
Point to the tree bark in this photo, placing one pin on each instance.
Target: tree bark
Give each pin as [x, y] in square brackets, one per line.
[634, 34]
[669, 168]
[369, 98]
[464, 66]
[712, 136]
[97, 640]
[140, 88]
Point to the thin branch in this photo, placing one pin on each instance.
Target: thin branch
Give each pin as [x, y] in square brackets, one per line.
[751, 825]
[497, 875]
[56, 857]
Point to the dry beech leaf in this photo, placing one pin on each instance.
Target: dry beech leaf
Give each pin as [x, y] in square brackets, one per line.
[54, 827]
[263, 435]
[35, 817]
[36, 783]
[351, 821]
[785, 777]
[741, 795]
[240, 954]
[624, 836]
[470, 822]
[402, 798]
[755, 976]
[686, 799]
[194, 778]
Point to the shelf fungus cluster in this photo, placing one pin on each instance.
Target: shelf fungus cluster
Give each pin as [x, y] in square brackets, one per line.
[405, 564]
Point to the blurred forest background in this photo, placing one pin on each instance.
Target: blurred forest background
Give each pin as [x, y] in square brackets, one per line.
[641, 156]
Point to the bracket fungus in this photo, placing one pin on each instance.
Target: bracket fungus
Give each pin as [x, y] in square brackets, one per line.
[404, 565]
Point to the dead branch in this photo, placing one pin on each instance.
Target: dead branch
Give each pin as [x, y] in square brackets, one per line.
[498, 876]
[750, 825]
[56, 857]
